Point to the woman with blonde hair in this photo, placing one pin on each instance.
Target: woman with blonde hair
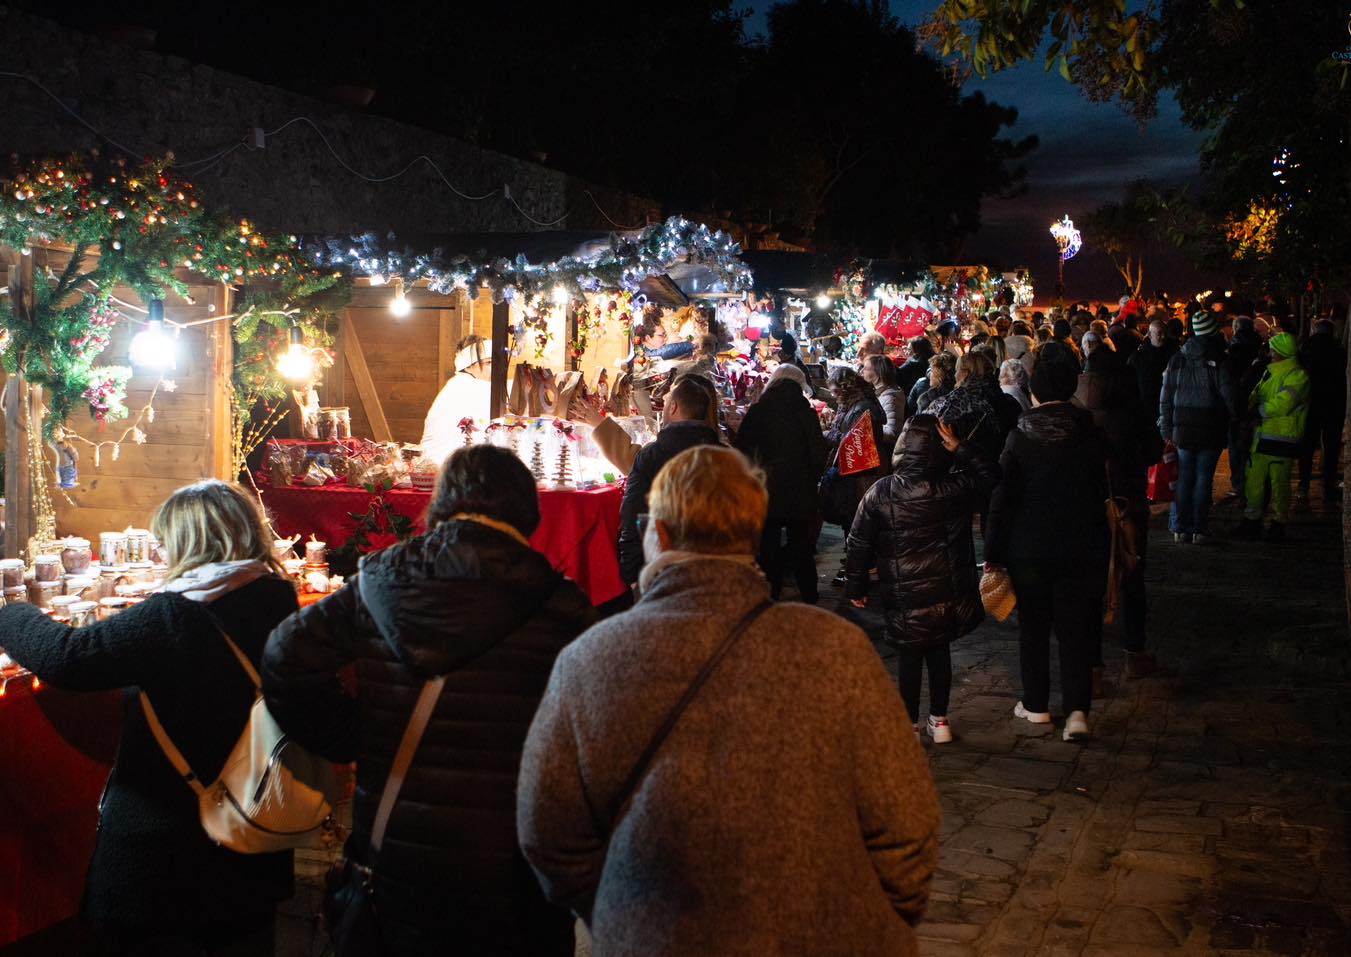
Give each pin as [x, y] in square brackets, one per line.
[157, 883]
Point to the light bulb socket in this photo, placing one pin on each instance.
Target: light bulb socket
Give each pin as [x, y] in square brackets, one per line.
[156, 311]
[295, 336]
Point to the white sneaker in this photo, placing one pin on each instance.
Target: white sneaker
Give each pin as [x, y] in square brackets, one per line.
[1036, 717]
[939, 729]
[1076, 726]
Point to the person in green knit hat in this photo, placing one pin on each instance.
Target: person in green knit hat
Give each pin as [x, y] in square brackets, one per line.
[1281, 401]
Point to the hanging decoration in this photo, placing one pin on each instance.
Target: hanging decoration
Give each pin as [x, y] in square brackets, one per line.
[138, 226]
[622, 265]
[1067, 238]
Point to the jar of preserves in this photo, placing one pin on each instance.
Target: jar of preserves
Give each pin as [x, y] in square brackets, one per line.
[11, 572]
[47, 568]
[76, 556]
[112, 548]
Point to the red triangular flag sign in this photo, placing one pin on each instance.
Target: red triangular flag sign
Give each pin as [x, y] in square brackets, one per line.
[858, 451]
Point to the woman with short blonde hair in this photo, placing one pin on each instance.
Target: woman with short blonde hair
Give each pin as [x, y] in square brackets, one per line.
[709, 499]
[155, 875]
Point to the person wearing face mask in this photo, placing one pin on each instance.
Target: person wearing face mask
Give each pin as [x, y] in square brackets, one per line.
[685, 424]
[711, 772]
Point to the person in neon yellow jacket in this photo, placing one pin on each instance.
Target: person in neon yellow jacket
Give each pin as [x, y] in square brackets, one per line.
[1281, 401]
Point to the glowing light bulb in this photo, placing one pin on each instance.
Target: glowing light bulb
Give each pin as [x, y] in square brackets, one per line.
[823, 301]
[153, 348]
[561, 296]
[377, 280]
[296, 364]
[399, 306]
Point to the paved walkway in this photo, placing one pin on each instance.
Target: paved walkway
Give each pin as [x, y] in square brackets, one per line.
[1208, 814]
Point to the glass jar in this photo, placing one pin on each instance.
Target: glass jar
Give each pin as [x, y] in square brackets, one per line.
[83, 613]
[16, 596]
[112, 548]
[44, 591]
[110, 576]
[108, 607]
[140, 572]
[47, 568]
[11, 572]
[316, 553]
[82, 587]
[76, 556]
[60, 606]
[283, 549]
[138, 545]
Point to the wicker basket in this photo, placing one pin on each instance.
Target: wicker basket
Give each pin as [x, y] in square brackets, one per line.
[996, 593]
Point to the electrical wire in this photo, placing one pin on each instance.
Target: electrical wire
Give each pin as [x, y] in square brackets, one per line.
[78, 118]
[512, 199]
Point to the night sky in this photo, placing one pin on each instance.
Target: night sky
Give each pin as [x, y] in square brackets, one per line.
[1088, 153]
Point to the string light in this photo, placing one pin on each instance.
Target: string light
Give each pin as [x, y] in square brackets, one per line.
[152, 348]
[296, 364]
[399, 306]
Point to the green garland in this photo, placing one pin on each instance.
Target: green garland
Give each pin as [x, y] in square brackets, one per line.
[136, 226]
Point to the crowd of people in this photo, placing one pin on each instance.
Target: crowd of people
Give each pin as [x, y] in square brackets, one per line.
[712, 769]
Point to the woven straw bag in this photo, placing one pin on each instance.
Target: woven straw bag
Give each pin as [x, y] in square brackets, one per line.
[996, 593]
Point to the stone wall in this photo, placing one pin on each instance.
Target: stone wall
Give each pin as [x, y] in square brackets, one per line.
[152, 103]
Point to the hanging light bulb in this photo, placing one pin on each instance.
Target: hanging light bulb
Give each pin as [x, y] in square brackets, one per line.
[561, 296]
[399, 306]
[296, 364]
[823, 302]
[153, 348]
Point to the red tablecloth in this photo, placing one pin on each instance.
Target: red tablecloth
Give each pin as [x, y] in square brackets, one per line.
[54, 753]
[578, 531]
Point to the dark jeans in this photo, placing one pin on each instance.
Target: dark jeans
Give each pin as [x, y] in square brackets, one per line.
[910, 672]
[1195, 490]
[1325, 433]
[796, 555]
[1066, 599]
[1133, 601]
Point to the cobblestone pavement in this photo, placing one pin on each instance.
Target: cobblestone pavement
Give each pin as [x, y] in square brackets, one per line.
[1209, 812]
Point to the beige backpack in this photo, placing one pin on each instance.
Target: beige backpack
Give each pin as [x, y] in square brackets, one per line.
[272, 794]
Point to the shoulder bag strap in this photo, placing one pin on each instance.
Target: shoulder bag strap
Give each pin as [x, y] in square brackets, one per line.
[403, 758]
[641, 765]
[166, 744]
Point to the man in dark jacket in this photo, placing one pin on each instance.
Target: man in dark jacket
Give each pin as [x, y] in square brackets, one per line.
[782, 434]
[1195, 406]
[470, 600]
[1324, 358]
[1149, 361]
[1107, 390]
[1125, 339]
[1244, 362]
[916, 366]
[684, 425]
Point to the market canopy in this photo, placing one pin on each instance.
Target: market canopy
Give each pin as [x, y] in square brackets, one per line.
[534, 264]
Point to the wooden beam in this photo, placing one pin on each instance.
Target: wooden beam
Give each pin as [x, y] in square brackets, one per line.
[448, 337]
[361, 374]
[18, 485]
[219, 410]
[497, 397]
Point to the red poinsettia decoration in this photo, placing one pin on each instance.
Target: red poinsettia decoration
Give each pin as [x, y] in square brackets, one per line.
[565, 429]
[467, 425]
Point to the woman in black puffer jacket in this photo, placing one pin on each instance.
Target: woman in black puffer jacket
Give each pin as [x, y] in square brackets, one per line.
[472, 600]
[915, 526]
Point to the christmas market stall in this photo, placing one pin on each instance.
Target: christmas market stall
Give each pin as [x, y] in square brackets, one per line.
[127, 303]
[554, 314]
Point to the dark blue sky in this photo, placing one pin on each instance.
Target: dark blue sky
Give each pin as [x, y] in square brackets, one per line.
[1088, 153]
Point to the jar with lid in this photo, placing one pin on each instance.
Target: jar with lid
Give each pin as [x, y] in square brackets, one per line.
[141, 572]
[138, 545]
[44, 591]
[108, 607]
[16, 596]
[112, 548]
[76, 556]
[60, 606]
[110, 576]
[11, 572]
[82, 587]
[83, 613]
[47, 568]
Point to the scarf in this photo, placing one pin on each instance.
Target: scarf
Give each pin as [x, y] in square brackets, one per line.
[206, 583]
[674, 557]
[503, 527]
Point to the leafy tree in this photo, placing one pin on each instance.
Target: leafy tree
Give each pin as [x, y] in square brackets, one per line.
[1145, 218]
